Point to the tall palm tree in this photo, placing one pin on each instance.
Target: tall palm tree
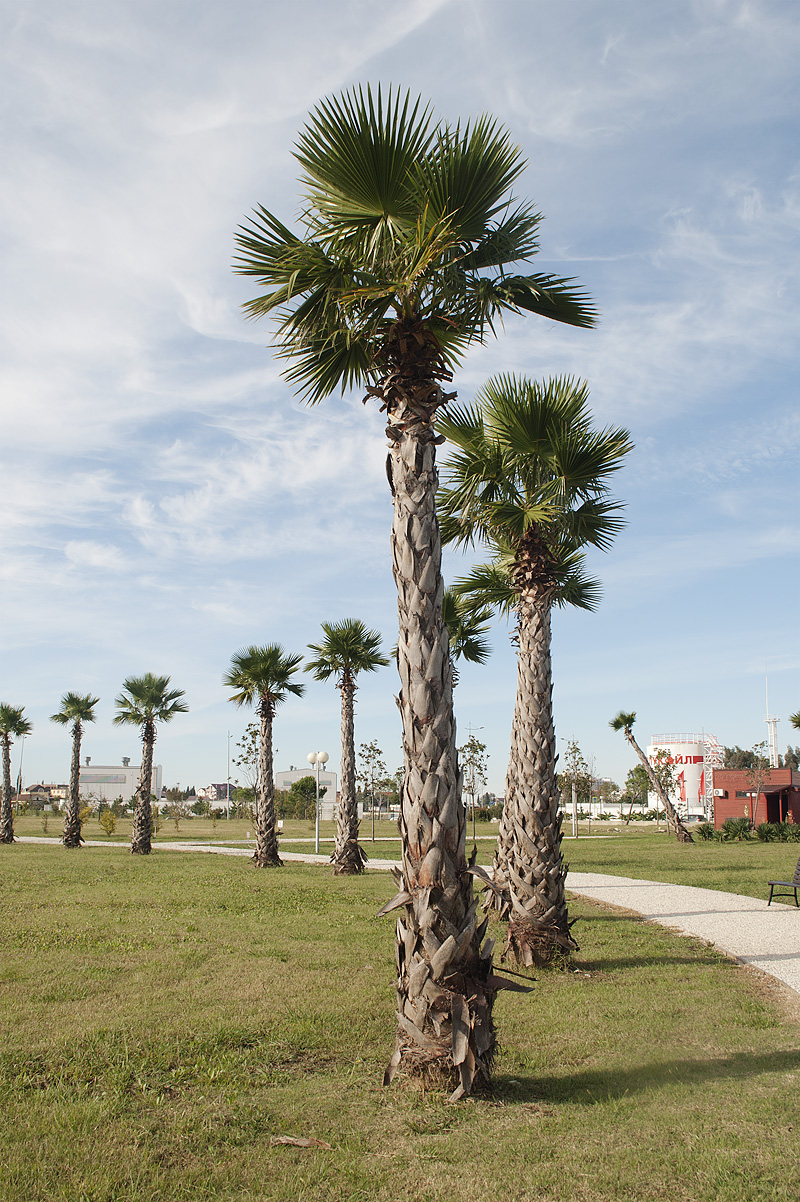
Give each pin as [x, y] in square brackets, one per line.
[76, 708]
[262, 677]
[624, 722]
[144, 701]
[13, 725]
[347, 649]
[530, 480]
[407, 254]
[466, 629]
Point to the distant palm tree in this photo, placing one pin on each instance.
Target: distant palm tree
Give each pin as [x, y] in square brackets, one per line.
[624, 722]
[13, 725]
[347, 649]
[466, 625]
[144, 701]
[529, 480]
[76, 708]
[262, 677]
[795, 720]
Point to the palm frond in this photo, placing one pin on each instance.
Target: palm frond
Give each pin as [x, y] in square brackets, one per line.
[76, 706]
[263, 673]
[348, 647]
[623, 721]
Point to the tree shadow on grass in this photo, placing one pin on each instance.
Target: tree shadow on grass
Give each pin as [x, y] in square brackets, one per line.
[588, 1088]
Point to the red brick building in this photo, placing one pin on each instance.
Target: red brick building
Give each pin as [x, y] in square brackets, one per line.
[778, 799]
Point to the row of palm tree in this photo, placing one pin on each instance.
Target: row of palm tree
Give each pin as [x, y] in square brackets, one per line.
[144, 701]
[262, 677]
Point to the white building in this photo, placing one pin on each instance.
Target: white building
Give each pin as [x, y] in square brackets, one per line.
[327, 781]
[107, 782]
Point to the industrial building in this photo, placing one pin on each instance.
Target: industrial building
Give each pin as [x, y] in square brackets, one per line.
[107, 782]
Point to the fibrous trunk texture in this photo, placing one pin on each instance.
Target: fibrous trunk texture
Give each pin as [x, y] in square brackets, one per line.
[6, 813]
[266, 852]
[445, 986]
[498, 896]
[673, 819]
[538, 920]
[72, 819]
[142, 826]
[348, 856]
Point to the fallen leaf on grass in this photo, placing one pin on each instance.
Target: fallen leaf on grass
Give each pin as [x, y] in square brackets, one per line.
[300, 1142]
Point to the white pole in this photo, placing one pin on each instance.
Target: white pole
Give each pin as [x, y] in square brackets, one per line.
[316, 838]
[574, 810]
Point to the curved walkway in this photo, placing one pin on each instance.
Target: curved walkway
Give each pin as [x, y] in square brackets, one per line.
[766, 937]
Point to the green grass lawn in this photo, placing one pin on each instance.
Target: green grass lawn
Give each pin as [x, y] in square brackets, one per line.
[636, 851]
[165, 1018]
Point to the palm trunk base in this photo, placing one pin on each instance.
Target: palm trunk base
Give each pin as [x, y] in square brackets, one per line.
[537, 944]
[72, 836]
[142, 830]
[458, 1046]
[445, 996]
[351, 860]
[7, 837]
[265, 859]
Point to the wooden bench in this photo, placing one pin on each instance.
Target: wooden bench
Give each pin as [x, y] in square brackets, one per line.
[793, 884]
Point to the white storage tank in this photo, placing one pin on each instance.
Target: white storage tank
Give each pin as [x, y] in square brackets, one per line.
[692, 757]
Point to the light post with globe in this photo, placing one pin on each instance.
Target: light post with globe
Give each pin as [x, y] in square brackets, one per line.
[318, 758]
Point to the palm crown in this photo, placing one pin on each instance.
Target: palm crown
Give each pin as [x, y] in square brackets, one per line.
[623, 722]
[407, 221]
[13, 723]
[148, 699]
[76, 707]
[263, 675]
[530, 478]
[348, 648]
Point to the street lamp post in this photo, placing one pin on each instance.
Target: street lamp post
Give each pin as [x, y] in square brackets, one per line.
[228, 793]
[317, 758]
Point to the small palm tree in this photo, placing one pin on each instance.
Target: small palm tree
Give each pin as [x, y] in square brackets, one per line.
[144, 701]
[262, 677]
[795, 720]
[347, 649]
[76, 708]
[466, 627]
[529, 480]
[13, 725]
[410, 251]
[624, 722]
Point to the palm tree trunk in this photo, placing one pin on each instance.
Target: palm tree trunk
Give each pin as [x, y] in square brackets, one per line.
[142, 826]
[348, 857]
[539, 927]
[499, 897]
[673, 820]
[72, 819]
[266, 852]
[445, 987]
[6, 813]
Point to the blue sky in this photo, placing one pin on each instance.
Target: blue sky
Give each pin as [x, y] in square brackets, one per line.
[167, 500]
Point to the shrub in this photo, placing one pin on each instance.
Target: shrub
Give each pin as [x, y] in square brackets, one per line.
[706, 830]
[737, 828]
[768, 832]
[108, 821]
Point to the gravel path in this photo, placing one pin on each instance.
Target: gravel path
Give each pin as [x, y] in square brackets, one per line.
[766, 937]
